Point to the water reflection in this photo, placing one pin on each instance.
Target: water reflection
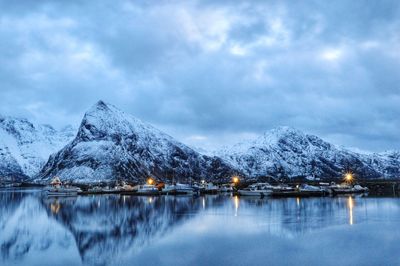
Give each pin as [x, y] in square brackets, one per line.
[236, 202]
[118, 230]
[350, 205]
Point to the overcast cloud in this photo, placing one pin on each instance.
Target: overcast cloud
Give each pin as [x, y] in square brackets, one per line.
[209, 72]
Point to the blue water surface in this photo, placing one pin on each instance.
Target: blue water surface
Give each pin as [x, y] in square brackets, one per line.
[199, 230]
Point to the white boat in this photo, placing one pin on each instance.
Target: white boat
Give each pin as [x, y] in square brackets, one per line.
[178, 189]
[309, 188]
[95, 190]
[56, 188]
[148, 190]
[226, 189]
[258, 189]
[312, 190]
[360, 189]
[341, 188]
[209, 188]
[283, 188]
[62, 191]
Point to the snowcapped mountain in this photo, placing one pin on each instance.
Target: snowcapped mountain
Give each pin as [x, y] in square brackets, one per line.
[287, 152]
[25, 147]
[112, 145]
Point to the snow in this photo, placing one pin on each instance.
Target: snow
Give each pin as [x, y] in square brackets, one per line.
[289, 152]
[112, 145]
[29, 145]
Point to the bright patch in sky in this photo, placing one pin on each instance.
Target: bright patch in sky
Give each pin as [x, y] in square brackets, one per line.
[331, 54]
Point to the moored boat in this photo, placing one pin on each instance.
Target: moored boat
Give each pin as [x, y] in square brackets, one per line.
[258, 190]
[303, 190]
[360, 189]
[347, 189]
[56, 188]
[226, 189]
[209, 188]
[178, 189]
[147, 190]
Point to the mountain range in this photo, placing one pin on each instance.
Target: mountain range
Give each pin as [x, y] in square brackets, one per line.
[111, 145]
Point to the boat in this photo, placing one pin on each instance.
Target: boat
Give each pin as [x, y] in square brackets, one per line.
[209, 188]
[178, 189]
[197, 188]
[95, 190]
[303, 190]
[360, 189]
[347, 189]
[258, 189]
[312, 190]
[56, 188]
[282, 188]
[147, 190]
[226, 189]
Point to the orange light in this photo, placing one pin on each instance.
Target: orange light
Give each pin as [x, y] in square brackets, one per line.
[348, 177]
[235, 179]
[150, 181]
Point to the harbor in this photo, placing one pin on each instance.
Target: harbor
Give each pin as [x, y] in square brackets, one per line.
[152, 187]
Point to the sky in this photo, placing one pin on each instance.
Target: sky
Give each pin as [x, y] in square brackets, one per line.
[209, 73]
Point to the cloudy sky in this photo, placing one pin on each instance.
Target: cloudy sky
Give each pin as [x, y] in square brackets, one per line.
[209, 72]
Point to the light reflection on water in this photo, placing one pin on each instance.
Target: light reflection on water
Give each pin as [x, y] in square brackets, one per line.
[205, 230]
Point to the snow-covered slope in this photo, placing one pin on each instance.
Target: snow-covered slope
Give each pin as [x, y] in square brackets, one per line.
[287, 152]
[112, 145]
[25, 147]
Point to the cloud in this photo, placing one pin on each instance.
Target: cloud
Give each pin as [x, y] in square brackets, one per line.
[218, 69]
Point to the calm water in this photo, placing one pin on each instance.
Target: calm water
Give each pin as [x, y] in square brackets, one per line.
[209, 230]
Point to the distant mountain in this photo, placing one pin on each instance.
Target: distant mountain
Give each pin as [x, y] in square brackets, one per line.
[112, 145]
[25, 146]
[287, 152]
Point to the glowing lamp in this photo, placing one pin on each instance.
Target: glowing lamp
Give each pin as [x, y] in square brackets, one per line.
[348, 177]
[150, 181]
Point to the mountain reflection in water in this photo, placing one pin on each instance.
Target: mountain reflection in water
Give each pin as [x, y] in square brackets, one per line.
[204, 230]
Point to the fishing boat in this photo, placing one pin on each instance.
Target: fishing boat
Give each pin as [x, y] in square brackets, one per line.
[95, 190]
[209, 188]
[226, 189]
[347, 189]
[147, 190]
[312, 190]
[303, 190]
[56, 188]
[258, 189]
[360, 189]
[282, 188]
[178, 189]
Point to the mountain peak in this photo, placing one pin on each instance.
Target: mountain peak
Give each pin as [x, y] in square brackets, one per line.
[284, 131]
[99, 106]
[100, 103]
[112, 145]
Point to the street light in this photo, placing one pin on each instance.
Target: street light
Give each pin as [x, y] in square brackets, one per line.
[349, 177]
